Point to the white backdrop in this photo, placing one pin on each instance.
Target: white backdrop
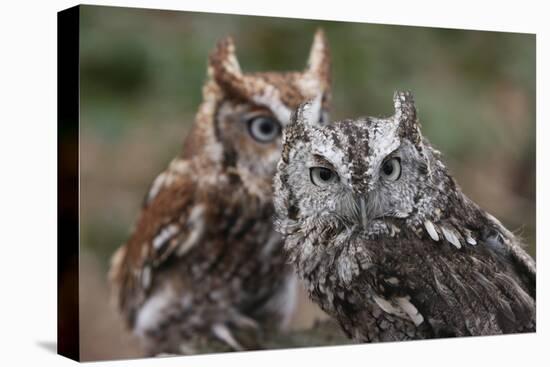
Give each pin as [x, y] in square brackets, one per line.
[28, 181]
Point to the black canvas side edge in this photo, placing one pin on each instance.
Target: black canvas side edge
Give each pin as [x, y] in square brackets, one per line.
[68, 331]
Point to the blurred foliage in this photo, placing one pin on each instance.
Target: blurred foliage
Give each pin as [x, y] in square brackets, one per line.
[142, 72]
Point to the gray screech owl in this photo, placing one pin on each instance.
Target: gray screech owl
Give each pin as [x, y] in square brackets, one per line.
[386, 241]
[204, 263]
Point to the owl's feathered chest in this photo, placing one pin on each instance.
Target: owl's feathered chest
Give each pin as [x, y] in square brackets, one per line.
[206, 239]
[238, 252]
[241, 242]
[399, 283]
[224, 223]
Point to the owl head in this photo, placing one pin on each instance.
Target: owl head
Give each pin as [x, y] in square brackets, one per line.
[240, 122]
[358, 171]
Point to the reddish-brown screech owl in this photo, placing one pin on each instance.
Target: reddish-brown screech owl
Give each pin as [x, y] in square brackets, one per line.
[204, 262]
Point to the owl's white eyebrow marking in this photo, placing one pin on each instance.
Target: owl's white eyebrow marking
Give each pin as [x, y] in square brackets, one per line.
[324, 146]
[271, 99]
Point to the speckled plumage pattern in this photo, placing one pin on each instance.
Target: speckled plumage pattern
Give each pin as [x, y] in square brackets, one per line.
[204, 263]
[399, 259]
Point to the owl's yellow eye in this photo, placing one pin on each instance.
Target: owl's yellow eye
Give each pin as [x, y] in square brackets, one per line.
[391, 169]
[264, 128]
[322, 176]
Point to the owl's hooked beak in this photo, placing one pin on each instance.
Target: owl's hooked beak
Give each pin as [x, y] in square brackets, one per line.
[363, 210]
[355, 208]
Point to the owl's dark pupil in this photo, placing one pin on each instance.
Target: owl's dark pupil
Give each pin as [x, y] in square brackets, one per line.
[325, 174]
[388, 168]
[266, 127]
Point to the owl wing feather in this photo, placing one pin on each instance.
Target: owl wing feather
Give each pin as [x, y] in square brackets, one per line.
[449, 293]
[170, 224]
[503, 241]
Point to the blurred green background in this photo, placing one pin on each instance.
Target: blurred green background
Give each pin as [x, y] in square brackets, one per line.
[141, 77]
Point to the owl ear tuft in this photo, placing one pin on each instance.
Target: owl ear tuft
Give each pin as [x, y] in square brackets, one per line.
[318, 64]
[304, 118]
[403, 103]
[308, 113]
[405, 113]
[223, 66]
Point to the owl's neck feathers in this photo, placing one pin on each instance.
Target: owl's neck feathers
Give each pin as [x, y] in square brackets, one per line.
[441, 209]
